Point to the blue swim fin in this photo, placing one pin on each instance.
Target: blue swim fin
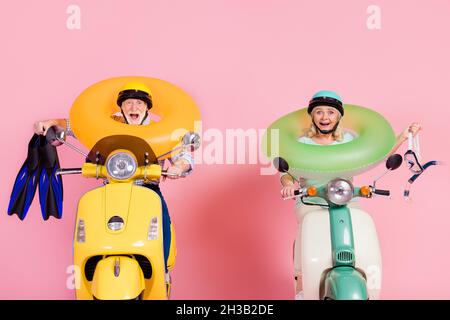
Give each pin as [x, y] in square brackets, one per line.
[26, 181]
[50, 184]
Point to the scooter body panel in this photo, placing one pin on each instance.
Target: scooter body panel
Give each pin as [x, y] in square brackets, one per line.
[137, 206]
[317, 251]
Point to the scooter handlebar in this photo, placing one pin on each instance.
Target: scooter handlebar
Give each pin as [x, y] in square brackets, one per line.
[150, 172]
[303, 192]
[382, 192]
[165, 173]
[297, 193]
[61, 172]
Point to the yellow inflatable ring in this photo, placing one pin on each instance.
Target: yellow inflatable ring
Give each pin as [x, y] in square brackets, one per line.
[90, 115]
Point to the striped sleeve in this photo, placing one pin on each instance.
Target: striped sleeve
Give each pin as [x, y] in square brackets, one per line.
[186, 156]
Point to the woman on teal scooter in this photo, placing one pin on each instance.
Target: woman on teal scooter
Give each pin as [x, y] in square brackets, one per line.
[326, 110]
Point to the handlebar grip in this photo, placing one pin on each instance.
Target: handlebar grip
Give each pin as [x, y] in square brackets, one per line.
[382, 192]
[68, 171]
[165, 173]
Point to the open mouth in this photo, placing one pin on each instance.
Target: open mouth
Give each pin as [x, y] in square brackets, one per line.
[325, 124]
[134, 116]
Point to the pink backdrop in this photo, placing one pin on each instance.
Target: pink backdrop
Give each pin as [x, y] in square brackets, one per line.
[245, 64]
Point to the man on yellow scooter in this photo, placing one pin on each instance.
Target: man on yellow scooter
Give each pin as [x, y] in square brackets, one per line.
[135, 100]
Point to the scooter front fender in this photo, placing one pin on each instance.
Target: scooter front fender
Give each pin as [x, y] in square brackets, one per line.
[345, 283]
[117, 278]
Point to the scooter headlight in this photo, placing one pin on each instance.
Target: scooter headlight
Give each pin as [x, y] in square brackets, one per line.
[116, 223]
[121, 165]
[339, 191]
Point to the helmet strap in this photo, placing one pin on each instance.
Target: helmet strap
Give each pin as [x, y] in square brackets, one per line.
[123, 114]
[145, 117]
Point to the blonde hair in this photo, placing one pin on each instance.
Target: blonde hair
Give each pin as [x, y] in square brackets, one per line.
[338, 134]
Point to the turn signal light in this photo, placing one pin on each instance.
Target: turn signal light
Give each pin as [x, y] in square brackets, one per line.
[365, 191]
[312, 191]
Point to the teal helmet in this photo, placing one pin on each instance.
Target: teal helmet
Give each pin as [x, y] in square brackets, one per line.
[326, 98]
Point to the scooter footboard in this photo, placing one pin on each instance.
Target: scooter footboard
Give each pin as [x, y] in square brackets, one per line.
[316, 251]
[117, 278]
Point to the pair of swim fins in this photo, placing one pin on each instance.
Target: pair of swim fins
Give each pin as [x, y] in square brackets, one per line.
[39, 169]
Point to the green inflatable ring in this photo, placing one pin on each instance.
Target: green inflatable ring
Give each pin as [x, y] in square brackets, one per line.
[373, 142]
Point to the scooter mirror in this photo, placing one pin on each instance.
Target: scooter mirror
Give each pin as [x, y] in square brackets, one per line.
[394, 161]
[191, 141]
[54, 135]
[280, 164]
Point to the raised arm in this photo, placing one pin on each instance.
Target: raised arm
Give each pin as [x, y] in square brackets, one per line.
[402, 137]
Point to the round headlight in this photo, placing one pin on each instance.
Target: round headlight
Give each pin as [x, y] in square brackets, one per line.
[339, 191]
[121, 166]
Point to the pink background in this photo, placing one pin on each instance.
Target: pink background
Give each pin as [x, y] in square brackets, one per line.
[245, 64]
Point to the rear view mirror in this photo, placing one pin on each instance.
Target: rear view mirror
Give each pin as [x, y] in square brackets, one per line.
[394, 161]
[55, 136]
[281, 165]
[191, 141]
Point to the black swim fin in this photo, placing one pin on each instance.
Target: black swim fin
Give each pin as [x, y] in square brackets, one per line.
[26, 181]
[50, 184]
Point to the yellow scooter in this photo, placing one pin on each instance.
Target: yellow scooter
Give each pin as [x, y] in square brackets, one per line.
[118, 242]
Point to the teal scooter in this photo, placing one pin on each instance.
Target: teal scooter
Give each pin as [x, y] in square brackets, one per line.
[343, 280]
